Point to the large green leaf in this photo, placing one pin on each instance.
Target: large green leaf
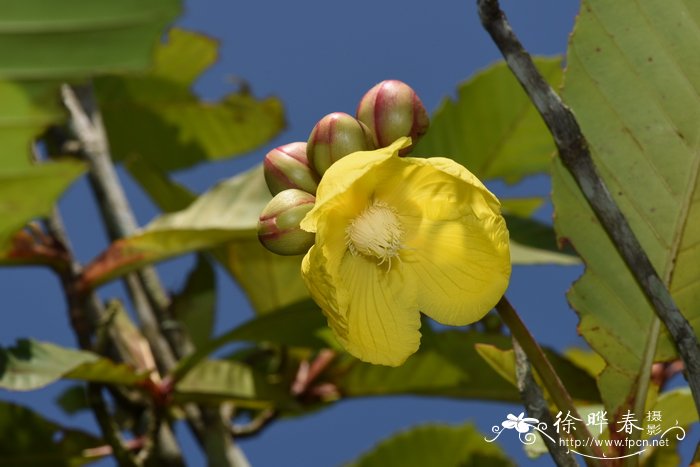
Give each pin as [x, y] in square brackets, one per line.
[43, 43]
[438, 445]
[633, 81]
[492, 128]
[26, 194]
[226, 217]
[158, 117]
[32, 364]
[27, 439]
[75, 38]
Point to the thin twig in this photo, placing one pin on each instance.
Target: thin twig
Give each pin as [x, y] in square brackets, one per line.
[576, 157]
[85, 312]
[536, 407]
[549, 377]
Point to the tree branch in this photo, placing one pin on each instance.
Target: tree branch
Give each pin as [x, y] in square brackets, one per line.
[536, 407]
[146, 291]
[576, 157]
[549, 376]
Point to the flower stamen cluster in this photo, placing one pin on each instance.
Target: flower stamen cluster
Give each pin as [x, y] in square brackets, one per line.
[376, 232]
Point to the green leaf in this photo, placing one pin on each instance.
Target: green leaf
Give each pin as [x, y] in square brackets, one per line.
[576, 380]
[632, 80]
[492, 128]
[127, 338]
[28, 439]
[270, 281]
[27, 109]
[213, 381]
[168, 195]
[534, 242]
[32, 365]
[73, 400]
[298, 325]
[438, 445]
[78, 38]
[448, 364]
[29, 193]
[676, 407]
[159, 118]
[46, 43]
[195, 305]
[225, 217]
[521, 207]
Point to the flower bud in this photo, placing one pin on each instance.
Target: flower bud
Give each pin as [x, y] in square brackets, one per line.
[287, 167]
[335, 136]
[392, 109]
[278, 226]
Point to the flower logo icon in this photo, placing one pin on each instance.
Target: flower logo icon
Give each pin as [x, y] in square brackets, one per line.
[521, 423]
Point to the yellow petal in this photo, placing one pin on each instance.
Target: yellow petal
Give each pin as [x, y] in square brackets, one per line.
[344, 179]
[462, 266]
[380, 309]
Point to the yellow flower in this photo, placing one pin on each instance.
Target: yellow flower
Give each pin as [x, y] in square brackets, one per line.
[397, 236]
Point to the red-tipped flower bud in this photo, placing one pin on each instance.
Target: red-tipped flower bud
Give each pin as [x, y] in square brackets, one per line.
[392, 109]
[278, 227]
[335, 136]
[287, 167]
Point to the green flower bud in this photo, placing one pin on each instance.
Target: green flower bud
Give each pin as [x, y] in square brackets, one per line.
[335, 136]
[391, 109]
[287, 167]
[278, 227]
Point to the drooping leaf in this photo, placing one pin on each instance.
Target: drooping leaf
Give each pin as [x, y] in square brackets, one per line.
[195, 305]
[26, 194]
[438, 445]
[159, 118]
[27, 439]
[492, 128]
[32, 364]
[633, 82]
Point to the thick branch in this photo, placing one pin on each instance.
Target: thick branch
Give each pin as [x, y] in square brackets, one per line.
[576, 157]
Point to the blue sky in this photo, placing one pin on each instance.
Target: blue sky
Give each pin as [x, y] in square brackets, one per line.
[319, 57]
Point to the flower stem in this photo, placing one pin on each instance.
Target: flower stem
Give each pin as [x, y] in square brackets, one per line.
[549, 377]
